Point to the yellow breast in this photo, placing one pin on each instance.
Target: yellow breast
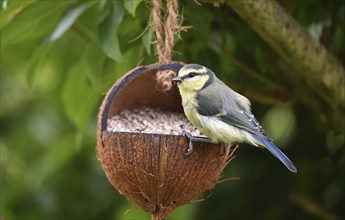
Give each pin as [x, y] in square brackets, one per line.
[190, 109]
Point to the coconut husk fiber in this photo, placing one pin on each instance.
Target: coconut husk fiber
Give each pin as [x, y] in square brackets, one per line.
[151, 170]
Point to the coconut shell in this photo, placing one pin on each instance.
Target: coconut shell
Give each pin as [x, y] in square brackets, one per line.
[151, 170]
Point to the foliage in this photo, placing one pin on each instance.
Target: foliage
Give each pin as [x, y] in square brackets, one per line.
[58, 58]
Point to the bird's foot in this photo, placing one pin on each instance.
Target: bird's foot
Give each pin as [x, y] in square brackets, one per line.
[187, 134]
[190, 148]
[195, 139]
[190, 145]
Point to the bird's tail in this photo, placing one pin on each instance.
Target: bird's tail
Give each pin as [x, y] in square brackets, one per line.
[278, 154]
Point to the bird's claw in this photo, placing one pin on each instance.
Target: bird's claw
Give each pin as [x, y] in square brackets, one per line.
[187, 134]
[199, 139]
[190, 145]
[190, 148]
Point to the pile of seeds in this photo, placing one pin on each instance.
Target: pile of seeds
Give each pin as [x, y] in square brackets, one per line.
[148, 120]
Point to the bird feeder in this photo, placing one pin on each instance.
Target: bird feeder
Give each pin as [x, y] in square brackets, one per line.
[150, 169]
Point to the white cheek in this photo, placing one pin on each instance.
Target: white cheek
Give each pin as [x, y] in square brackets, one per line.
[193, 84]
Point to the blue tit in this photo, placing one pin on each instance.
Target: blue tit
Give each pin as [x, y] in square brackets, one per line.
[220, 113]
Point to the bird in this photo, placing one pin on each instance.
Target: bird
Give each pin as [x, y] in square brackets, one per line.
[221, 114]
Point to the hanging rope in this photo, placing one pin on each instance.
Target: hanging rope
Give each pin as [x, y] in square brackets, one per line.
[165, 38]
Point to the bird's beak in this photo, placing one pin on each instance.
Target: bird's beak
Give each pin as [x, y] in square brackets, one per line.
[177, 79]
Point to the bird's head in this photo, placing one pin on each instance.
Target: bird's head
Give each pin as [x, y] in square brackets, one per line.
[193, 77]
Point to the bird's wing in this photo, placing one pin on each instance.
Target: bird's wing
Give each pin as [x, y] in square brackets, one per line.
[245, 121]
[229, 110]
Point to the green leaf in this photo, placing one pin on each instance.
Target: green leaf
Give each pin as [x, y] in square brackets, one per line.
[102, 4]
[200, 24]
[95, 59]
[147, 41]
[107, 35]
[78, 97]
[36, 62]
[132, 57]
[33, 21]
[131, 6]
[12, 10]
[69, 18]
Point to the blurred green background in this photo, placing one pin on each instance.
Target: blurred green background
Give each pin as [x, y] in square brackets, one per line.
[58, 58]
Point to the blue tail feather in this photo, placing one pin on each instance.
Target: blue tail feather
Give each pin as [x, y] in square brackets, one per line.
[278, 154]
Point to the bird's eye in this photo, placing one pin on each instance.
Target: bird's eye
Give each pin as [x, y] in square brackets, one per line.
[192, 74]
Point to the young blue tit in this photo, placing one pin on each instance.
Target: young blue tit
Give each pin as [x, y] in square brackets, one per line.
[220, 113]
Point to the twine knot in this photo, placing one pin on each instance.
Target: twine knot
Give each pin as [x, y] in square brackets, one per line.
[165, 39]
